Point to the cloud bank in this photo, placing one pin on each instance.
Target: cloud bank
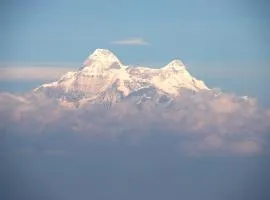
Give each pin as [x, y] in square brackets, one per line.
[196, 125]
[204, 146]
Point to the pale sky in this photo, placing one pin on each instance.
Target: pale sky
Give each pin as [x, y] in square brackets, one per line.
[225, 43]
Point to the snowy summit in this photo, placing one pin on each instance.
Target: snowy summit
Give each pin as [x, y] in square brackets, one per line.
[103, 74]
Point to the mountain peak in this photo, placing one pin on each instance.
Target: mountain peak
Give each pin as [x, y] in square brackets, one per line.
[175, 65]
[103, 73]
[103, 56]
[102, 53]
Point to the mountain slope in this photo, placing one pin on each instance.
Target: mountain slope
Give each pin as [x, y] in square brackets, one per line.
[104, 79]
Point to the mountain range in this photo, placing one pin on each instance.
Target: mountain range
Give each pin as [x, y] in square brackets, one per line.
[104, 79]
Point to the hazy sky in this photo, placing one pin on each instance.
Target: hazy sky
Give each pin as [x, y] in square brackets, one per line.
[225, 43]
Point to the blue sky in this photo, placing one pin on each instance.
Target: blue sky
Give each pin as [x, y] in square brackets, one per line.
[219, 40]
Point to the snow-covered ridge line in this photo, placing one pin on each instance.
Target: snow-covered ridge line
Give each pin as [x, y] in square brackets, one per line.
[102, 70]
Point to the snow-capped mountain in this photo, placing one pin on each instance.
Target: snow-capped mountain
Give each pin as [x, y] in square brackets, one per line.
[104, 79]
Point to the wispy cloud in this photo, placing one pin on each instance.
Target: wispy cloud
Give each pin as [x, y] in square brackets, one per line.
[131, 41]
[33, 72]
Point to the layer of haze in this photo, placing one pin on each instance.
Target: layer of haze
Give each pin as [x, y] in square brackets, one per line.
[205, 147]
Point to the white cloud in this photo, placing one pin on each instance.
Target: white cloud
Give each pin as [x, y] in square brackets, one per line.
[33, 73]
[131, 41]
[199, 126]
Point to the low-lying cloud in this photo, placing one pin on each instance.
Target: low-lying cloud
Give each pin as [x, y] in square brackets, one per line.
[198, 124]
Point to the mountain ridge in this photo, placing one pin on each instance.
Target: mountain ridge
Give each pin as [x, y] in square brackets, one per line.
[102, 70]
